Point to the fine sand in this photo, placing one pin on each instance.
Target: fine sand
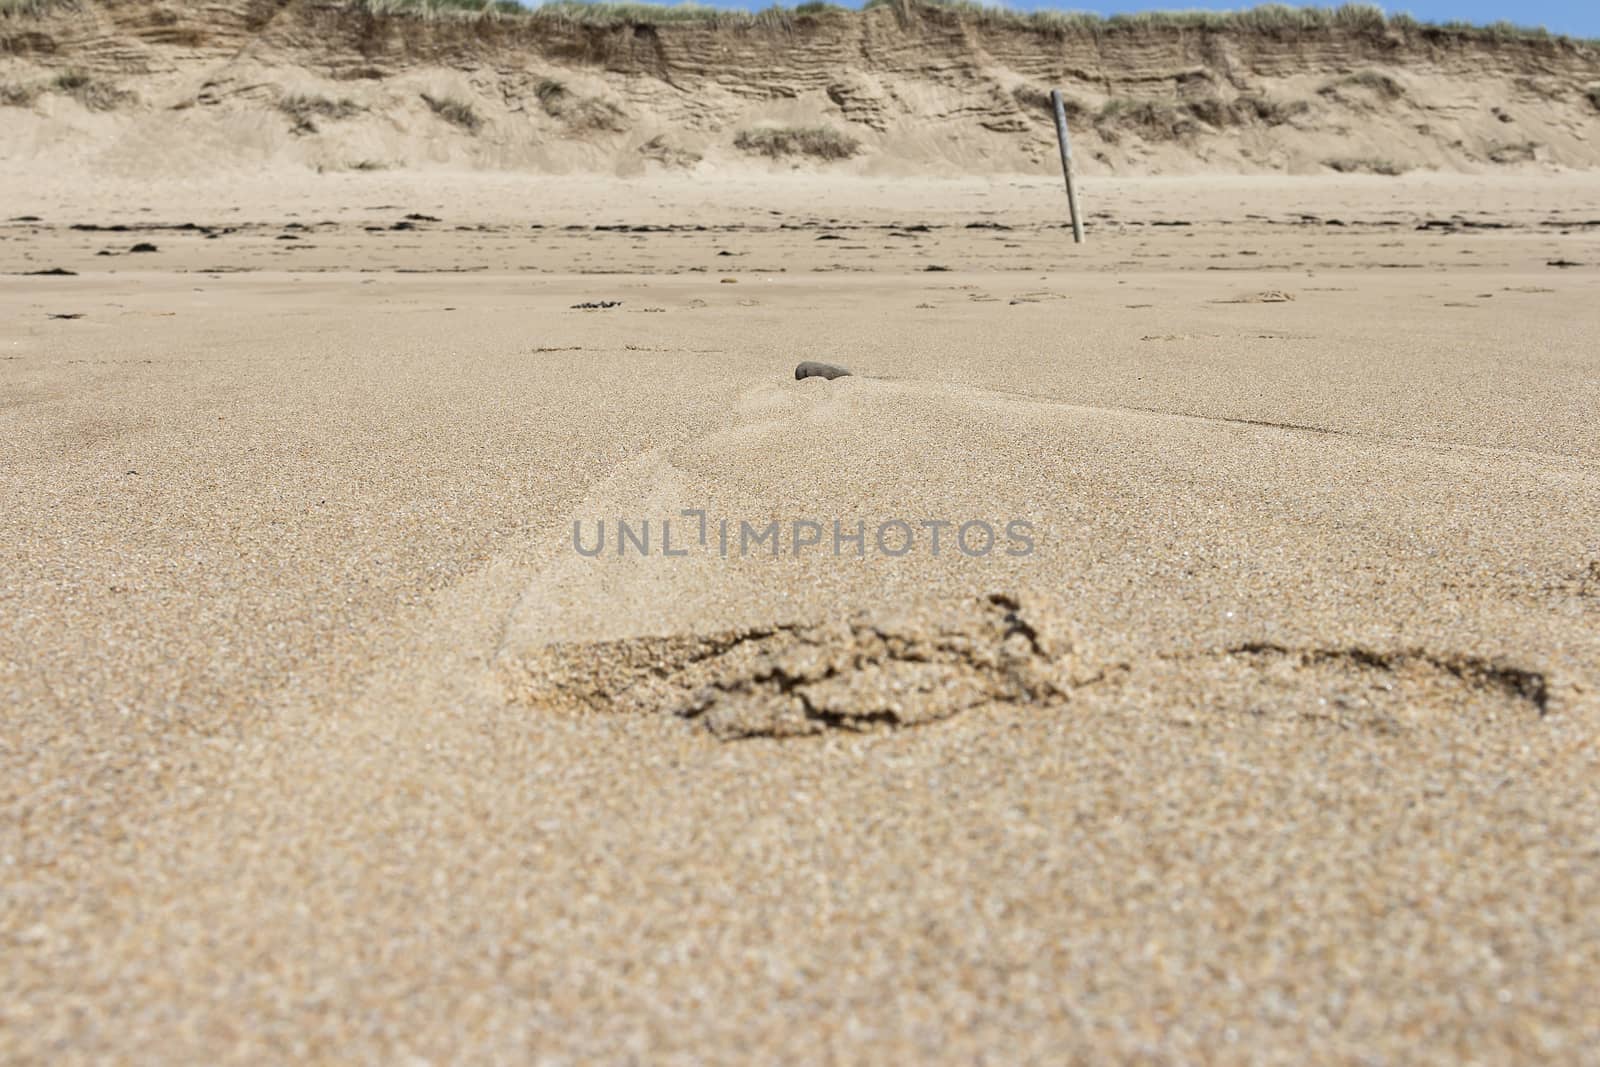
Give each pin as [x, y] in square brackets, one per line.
[319, 741]
[913, 88]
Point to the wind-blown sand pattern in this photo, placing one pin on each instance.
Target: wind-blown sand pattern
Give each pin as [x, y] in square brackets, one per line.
[320, 741]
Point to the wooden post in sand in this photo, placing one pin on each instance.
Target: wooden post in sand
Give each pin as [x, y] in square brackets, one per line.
[1066, 164]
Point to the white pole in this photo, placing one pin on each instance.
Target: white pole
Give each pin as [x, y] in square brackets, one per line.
[1066, 164]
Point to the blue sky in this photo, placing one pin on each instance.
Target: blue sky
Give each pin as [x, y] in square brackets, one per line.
[1577, 18]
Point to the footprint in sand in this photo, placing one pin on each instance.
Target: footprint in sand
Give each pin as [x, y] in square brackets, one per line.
[917, 663]
[882, 669]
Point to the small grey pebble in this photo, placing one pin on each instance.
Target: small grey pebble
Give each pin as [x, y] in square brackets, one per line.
[810, 369]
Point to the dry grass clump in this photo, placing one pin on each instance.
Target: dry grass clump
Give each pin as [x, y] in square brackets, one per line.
[1153, 120]
[551, 93]
[1215, 111]
[443, 8]
[31, 7]
[1494, 31]
[818, 142]
[1159, 120]
[1274, 19]
[579, 113]
[1033, 98]
[305, 109]
[456, 112]
[1268, 19]
[1270, 110]
[578, 12]
[1211, 110]
[628, 14]
[594, 114]
[1271, 19]
[16, 95]
[1516, 152]
[355, 164]
[1346, 165]
[658, 149]
[92, 92]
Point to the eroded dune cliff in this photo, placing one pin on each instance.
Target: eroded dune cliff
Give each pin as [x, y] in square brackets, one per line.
[146, 87]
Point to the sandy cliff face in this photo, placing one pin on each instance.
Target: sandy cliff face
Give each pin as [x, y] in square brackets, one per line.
[142, 87]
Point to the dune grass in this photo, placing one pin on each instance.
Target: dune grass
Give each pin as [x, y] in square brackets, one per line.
[1515, 152]
[777, 142]
[14, 94]
[1270, 110]
[30, 7]
[579, 112]
[1033, 98]
[92, 91]
[305, 109]
[658, 149]
[443, 8]
[583, 12]
[1273, 17]
[456, 112]
[1278, 19]
[592, 113]
[1152, 120]
[307, 104]
[1349, 165]
[550, 93]
[1164, 120]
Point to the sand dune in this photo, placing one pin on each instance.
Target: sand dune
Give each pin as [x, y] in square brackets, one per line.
[231, 86]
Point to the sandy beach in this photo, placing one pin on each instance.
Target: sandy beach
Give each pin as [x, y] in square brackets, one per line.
[322, 741]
